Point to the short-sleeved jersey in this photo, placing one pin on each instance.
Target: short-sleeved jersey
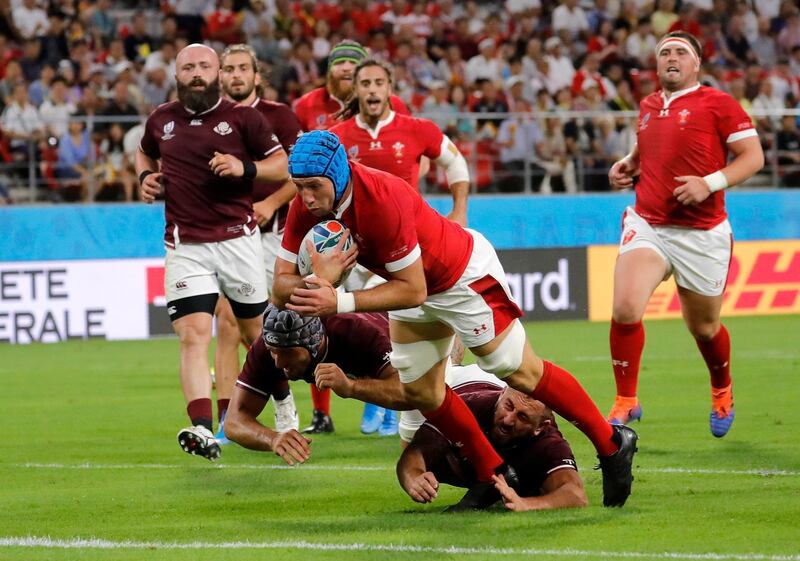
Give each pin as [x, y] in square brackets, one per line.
[287, 128]
[533, 458]
[317, 108]
[395, 146]
[393, 226]
[201, 206]
[357, 343]
[686, 135]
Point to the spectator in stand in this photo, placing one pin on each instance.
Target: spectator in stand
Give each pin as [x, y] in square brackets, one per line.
[589, 70]
[155, 89]
[303, 72]
[30, 62]
[624, 100]
[190, 16]
[40, 89]
[163, 58]
[764, 47]
[421, 68]
[519, 139]
[56, 109]
[784, 83]
[688, 20]
[138, 44]
[102, 24]
[570, 17]
[54, 42]
[417, 20]
[224, 25]
[641, 45]
[464, 39]
[553, 156]
[21, 122]
[485, 66]
[114, 174]
[30, 20]
[13, 76]
[438, 107]
[765, 101]
[787, 142]
[115, 53]
[321, 44]
[663, 17]
[75, 158]
[392, 17]
[452, 67]
[120, 105]
[489, 102]
[789, 36]
[737, 43]
[253, 16]
[561, 70]
[602, 44]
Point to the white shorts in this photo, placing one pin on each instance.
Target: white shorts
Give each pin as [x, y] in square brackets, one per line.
[454, 376]
[699, 259]
[270, 245]
[478, 307]
[233, 267]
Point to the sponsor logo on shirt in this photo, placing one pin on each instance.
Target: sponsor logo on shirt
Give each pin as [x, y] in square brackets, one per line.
[196, 122]
[375, 145]
[223, 128]
[481, 329]
[168, 128]
[180, 285]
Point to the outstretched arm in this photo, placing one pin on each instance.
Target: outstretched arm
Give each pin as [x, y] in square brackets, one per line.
[385, 391]
[563, 488]
[421, 485]
[274, 167]
[242, 426]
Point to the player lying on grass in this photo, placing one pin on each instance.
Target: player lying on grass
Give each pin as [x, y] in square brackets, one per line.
[521, 429]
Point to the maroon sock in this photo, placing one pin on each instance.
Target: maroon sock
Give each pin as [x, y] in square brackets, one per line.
[627, 343]
[717, 354]
[458, 424]
[560, 391]
[200, 412]
[222, 406]
[321, 399]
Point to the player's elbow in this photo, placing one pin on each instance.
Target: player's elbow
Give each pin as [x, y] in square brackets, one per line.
[233, 427]
[575, 496]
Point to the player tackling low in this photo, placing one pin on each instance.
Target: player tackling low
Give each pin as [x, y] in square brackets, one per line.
[678, 225]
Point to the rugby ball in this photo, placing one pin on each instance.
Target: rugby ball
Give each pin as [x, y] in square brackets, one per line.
[325, 236]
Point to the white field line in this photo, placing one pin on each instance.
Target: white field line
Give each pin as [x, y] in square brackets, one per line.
[95, 543]
[388, 468]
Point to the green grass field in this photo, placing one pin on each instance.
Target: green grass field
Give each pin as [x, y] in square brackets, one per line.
[91, 468]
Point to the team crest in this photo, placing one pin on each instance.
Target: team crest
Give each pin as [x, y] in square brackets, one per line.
[684, 114]
[629, 235]
[321, 119]
[352, 152]
[168, 128]
[644, 121]
[223, 128]
[398, 149]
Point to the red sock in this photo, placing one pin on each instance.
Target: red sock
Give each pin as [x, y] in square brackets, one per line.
[200, 413]
[560, 391]
[321, 399]
[627, 343]
[222, 406]
[717, 354]
[458, 424]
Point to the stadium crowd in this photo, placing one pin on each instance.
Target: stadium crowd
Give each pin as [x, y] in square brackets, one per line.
[77, 78]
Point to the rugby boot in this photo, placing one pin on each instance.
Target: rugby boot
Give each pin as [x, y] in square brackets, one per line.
[618, 467]
[199, 441]
[286, 417]
[625, 410]
[320, 423]
[389, 426]
[722, 412]
[483, 495]
[372, 418]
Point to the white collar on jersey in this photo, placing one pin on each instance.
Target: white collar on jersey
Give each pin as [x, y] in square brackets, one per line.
[676, 95]
[209, 110]
[255, 101]
[374, 132]
[345, 203]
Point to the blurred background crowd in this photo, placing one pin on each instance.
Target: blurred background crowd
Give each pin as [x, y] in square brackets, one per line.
[540, 95]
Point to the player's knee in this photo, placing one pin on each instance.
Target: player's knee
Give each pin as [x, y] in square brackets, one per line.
[507, 357]
[413, 360]
[626, 311]
[704, 332]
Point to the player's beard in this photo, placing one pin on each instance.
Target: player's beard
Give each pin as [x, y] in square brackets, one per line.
[240, 96]
[340, 91]
[198, 101]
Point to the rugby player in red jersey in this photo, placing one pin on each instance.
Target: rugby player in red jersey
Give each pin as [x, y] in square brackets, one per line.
[678, 225]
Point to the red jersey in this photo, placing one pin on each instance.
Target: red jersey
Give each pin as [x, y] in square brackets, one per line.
[685, 135]
[317, 108]
[393, 226]
[395, 146]
[200, 206]
[287, 128]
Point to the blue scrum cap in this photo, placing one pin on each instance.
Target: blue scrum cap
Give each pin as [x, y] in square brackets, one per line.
[320, 154]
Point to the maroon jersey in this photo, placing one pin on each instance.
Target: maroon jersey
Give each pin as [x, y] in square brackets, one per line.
[287, 128]
[685, 134]
[533, 458]
[202, 207]
[317, 108]
[393, 226]
[357, 343]
[395, 145]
